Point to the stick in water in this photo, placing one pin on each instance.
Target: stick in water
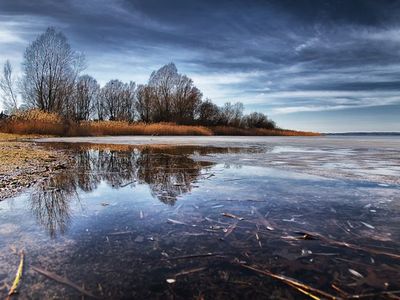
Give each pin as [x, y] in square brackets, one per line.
[18, 276]
[63, 280]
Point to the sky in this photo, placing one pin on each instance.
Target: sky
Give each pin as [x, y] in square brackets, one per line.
[320, 65]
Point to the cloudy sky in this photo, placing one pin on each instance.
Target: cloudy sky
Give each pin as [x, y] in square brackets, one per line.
[309, 64]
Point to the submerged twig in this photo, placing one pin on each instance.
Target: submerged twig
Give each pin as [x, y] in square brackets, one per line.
[230, 229]
[262, 219]
[312, 236]
[370, 295]
[65, 281]
[258, 240]
[305, 292]
[229, 215]
[126, 184]
[187, 272]
[305, 289]
[194, 256]
[120, 232]
[18, 276]
[172, 221]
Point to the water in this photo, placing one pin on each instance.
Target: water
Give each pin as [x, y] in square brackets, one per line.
[182, 222]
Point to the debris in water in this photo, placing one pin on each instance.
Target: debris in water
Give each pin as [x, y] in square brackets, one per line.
[351, 226]
[355, 273]
[210, 254]
[368, 225]
[229, 230]
[18, 276]
[171, 280]
[139, 239]
[262, 219]
[305, 252]
[217, 206]
[232, 216]
[64, 280]
[301, 287]
[176, 222]
[187, 272]
[306, 236]
[121, 232]
[258, 239]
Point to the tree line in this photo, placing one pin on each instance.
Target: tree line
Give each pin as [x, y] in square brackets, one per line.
[52, 82]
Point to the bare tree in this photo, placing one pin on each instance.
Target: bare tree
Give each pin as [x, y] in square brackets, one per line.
[145, 103]
[85, 97]
[163, 81]
[209, 114]
[129, 101]
[232, 114]
[8, 88]
[119, 100]
[50, 69]
[99, 108]
[110, 94]
[186, 100]
[174, 97]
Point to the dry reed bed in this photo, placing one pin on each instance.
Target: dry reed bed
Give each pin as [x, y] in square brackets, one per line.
[225, 130]
[38, 122]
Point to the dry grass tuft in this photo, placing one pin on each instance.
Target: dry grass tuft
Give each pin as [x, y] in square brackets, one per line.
[37, 115]
[34, 122]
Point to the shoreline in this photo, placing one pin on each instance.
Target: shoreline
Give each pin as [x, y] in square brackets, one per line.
[26, 163]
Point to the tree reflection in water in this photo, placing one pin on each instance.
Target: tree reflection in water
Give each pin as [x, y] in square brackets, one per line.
[50, 203]
[168, 171]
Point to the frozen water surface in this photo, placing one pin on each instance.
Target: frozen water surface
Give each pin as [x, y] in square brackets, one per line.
[182, 222]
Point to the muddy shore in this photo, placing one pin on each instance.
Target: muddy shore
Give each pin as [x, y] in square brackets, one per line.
[25, 163]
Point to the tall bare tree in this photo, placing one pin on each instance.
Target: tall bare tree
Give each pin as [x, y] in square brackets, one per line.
[86, 93]
[232, 114]
[186, 100]
[8, 88]
[119, 100]
[175, 98]
[145, 96]
[50, 69]
[209, 114]
[163, 81]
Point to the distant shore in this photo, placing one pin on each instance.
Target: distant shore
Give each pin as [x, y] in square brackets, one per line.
[376, 133]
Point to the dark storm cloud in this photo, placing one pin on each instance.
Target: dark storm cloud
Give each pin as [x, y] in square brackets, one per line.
[278, 55]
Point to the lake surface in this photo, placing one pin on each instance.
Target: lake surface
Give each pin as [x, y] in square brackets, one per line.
[202, 222]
